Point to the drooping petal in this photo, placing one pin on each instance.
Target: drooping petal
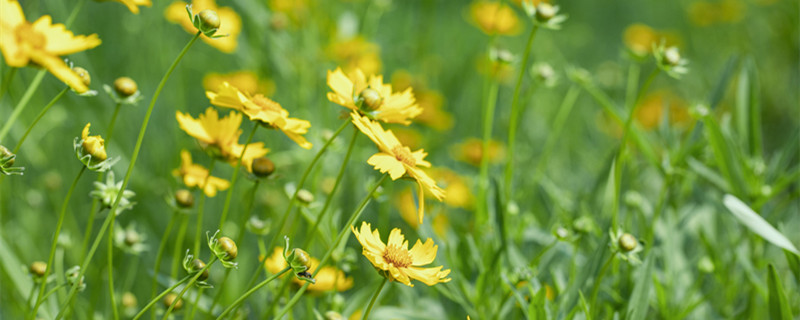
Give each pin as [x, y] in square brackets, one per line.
[385, 162]
[429, 276]
[61, 41]
[422, 254]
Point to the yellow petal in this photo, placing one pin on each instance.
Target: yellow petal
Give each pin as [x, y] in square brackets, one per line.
[423, 254]
[429, 276]
[60, 70]
[61, 41]
[385, 162]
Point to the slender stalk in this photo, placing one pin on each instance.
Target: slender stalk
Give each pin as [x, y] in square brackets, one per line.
[200, 206]
[161, 295]
[179, 239]
[113, 122]
[235, 176]
[374, 298]
[343, 234]
[515, 113]
[251, 291]
[189, 285]
[7, 80]
[74, 14]
[49, 293]
[23, 102]
[160, 254]
[313, 230]
[110, 268]
[39, 117]
[134, 156]
[53, 245]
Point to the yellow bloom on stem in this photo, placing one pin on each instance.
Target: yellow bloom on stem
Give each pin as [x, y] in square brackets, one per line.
[494, 18]
[41, 43]
[328, 278]
[222, 135]
[262, 109]
[230, 22]
[372, 98]
[356, 53]
[133, 4]
[195, 175]
[94, 145]
[398, 159]
[397, 262]
[247, 81]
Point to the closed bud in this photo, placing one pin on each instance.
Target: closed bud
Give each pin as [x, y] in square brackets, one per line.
[545, 11]
[184, 198]
[229, 247]
[305, 196]
[301, 258]
[372, 98]
[170, 298]
[5, 153]
[129, 300]
[85, 77]
[132, 237]
[38, 268]
[209, 19]
[198, 265]
[263, 167]
[125, 87]
[627, 242]
[672, 56]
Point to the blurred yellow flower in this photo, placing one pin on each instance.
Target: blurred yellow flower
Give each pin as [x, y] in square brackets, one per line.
[455, 186]
[230, 22]
[430, 101]
[650, 111]
[356, 53]
[247, 81]
[373, 98]
[398, 160]
[261, 109]
[41, 43]
[327, 279]
[195, 175]
[640, 38]
[494, 18]
[133, 4]
[94, 145]
[397, 262]
[221, 135]
[471, 151]
[704, 13]
[404, 200]
[293, 9]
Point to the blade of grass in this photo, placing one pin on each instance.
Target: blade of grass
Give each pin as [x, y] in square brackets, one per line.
[778, 303]
[757, 224]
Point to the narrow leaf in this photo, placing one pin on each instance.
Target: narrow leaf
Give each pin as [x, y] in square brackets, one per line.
[638, 303]
[778, 304]
[756, 223]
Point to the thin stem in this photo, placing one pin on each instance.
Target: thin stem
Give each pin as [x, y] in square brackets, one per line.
[313, 230]
[374, 298]
[74, 14]
[26, 97]
[488, 120]
[161, 295]
[60, 222]
[251, 291]
[134, 156]
[39, 117]
[110, 130]
[189, 285]
[30, 298]
[7, 80]
[49, 293]
[160, 254]
[343, 234]
[110, 254]
[515, 113]
[235, 176]
[598, 281]
[179, 239]
[200, 206]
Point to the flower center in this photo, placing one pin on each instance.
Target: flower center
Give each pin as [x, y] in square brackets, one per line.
[25, 34]
[266, 104]
[397, 256]
[403, 154]
[372, 98]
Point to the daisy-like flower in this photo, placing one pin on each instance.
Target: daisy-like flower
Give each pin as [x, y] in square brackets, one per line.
[494, 18]
[230, 22]
[372, 98]
[328, 278]
[396, 261]
[133, 5]
[107, 194]
[195, 175]
[41, 43]
[398, 159]
[221, 136]
[263, 110]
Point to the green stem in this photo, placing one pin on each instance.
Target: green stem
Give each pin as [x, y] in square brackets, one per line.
[160, 254]
[313, 230]
[598, 281]
[30, 298]
[251, 291]
[39, 117]
[26, 97]
[235, 176]
[344, 233]
[488, 120]
[49, 293]
[179, 239]
[161, 295]
[110, 130]
[189, 285]
[555, 131]
[515, 113]
[134, 156]
[54, 244]
[374, 298]
[74, 14]
[200, 206]
[7, 80]
[110, 254]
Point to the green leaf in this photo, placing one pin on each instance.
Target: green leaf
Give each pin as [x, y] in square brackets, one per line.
[794, 265]
[719, 89]
[638, 303]
[756, 223]
[778, 304]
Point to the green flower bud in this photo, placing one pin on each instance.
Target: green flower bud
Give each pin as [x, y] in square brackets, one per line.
[301, 258]
[305, 196]
[545, 11]
[184, 198]
[198, 265]
[627, 242]
[129, 300]
[229, 247]
[372, 98]
[170, 298]
[38, 268]
[672, 56]
[132, 237]
[5, 153]
[209, 19]
[263, 167]
[125, 87]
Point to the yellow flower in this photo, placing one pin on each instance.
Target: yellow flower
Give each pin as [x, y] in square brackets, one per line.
[398, 159]
[222, 135]
[356, 53]
[373, 98]
[471, 151]
[41, 43]
[650, 111]
[247, 81]
[405, 205]
[640, 38]
[94, 145]
[133, 4]
[261, 109]
[195, 175]
[328, 278]
[430, 101]
[455, 186]
[397, 262]
[494, 18]
[231, 23]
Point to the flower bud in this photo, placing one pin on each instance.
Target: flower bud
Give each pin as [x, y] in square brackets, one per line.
[333, 315]
[305, 196]
[4, 153]
[94, 145]
[627, 242]
[125, 87]
[371, 98]
[129, 300]
[85, 77]
[198, 265]
[263, 167]
[545, 11]
[38, 268]
[184, 198]
[672, 56]
[132, 237]
[301, 258]
[229, 247]
[169, 299]
[208, 19]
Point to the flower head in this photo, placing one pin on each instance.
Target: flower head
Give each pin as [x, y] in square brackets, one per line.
[220, 136]
[262, 109]
[328, 278]
[91, 151]
[230, 23]
[133, 5]
[398, 160]
[129, 240]
[494, 18]
[195, 175]
[396, 261]
[7, 159]
[372, 98]
[107, 193]
[355, 53]
[41, 43]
